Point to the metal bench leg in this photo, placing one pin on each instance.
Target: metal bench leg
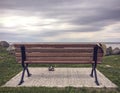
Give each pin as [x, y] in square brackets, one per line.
[94, 65]
[95, 73]
[22, 77]
[96, 79]
[92, 70]
[24, 65]
[23, 73]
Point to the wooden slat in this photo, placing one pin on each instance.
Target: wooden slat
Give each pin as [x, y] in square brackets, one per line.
[57, 45]
[60, 62]
[59, 49]
[56, 58]
[56, 50]
[38, 54]
[99, 50]
[59, 58]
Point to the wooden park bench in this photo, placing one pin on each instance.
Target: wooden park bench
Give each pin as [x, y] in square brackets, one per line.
[58, 53]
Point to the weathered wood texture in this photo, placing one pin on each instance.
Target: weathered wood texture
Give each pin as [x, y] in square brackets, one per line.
[58, 53]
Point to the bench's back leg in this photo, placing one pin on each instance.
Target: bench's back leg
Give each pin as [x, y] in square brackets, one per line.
[92, 70]
[28, 73]
[22, 77]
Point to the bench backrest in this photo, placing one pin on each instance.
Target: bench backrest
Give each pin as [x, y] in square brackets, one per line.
[57, 53]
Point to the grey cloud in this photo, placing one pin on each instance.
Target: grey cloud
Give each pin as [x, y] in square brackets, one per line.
[53, 33]
[99, 16]
[48, 4]
[67, 9]
[93, 15]
[36, 4]
[9, 34]
[13, 37]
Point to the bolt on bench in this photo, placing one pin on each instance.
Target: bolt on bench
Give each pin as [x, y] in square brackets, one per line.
[58, 53]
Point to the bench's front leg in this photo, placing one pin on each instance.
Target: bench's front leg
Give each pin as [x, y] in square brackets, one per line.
[96, 79]
[23, 73]
[22, 77]
[95, 73]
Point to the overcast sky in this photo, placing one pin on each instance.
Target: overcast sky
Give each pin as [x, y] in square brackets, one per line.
[60, 20]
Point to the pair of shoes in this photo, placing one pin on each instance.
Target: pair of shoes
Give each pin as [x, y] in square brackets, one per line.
[51, 68]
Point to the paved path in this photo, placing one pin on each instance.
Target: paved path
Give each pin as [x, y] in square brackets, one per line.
[61, 77]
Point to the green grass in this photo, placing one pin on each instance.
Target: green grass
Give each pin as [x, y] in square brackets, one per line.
[8, 66]
[110, 67]
[113, 72]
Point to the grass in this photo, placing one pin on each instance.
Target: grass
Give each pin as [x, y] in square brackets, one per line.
[8, 66]
[110, 67]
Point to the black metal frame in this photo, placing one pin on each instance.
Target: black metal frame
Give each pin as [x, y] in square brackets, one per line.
[24, 65]
[94, 65]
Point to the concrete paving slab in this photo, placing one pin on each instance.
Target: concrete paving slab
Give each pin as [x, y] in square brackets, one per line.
[61, 77]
